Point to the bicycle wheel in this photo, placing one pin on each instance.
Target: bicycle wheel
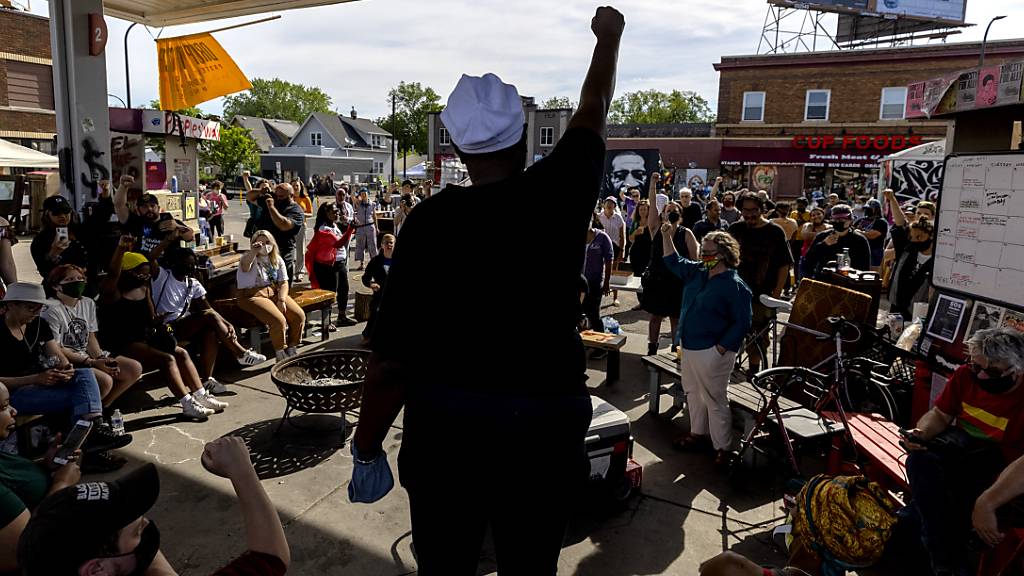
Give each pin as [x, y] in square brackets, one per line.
[744, 366]
[866, 396]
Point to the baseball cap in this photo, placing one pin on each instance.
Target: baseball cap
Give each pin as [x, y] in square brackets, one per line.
[75, 524]
[842, 212]
[132, 260]
[484, 114]
[57, 205]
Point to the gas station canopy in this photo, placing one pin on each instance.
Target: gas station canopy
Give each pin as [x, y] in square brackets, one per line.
[173, 12]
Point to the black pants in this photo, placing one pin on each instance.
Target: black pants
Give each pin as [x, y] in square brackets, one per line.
[217, 225]
[519, 473]
[372, 321]
[335, 279]
[592, 305]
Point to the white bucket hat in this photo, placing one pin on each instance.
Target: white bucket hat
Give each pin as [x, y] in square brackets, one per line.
[484, 114]
[26, 292]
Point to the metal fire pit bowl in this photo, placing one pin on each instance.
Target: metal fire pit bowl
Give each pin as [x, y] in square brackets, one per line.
[305, 382]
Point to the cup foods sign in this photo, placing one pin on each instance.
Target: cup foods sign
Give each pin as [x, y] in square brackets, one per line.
[854, 142]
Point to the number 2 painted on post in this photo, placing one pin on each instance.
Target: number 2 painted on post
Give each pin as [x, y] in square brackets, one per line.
[98, 34]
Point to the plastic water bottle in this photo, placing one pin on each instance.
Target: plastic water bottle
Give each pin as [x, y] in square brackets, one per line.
[611, 325]
[844, 262]
[117, 423]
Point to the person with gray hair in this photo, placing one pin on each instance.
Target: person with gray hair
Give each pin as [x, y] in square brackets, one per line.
[716, 313]
[951, 464]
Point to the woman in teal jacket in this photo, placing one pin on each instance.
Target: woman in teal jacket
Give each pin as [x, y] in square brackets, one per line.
[715, 315]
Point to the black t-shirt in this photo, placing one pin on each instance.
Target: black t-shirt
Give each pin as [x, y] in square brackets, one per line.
[692, 214]
[146, 232]
[448, 336]
[24, 357]
[75, 253]
[877, 224]
[285, 238]
[821, 253]
[763, 251]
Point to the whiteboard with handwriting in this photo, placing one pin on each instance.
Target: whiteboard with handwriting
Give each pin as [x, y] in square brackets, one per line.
[980, 239]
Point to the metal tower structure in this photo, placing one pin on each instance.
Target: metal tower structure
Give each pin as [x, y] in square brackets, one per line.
[794, 30]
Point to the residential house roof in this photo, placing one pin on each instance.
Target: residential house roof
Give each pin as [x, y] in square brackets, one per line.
[267, 132]
[342, 128]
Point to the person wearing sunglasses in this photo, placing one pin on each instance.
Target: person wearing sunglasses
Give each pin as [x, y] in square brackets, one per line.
[961, 445]
[60, 241]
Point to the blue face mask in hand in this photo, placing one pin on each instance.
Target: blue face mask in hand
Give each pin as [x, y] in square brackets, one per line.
[371, 480]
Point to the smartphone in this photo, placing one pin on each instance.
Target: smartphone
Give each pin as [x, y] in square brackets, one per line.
[62, 232]
[74, 441]
[165, 216]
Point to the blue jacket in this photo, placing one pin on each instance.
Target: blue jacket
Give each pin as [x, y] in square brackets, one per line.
[715, 310]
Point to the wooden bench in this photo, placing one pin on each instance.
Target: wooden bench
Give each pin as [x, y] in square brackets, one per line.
[309, 299]
[665, 363]
[878, 440]
[611, 343]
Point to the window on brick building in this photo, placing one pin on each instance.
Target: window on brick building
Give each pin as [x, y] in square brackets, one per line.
[894, 103]
[547, 136]
[29, 85]
[753, 107]
[817, 104]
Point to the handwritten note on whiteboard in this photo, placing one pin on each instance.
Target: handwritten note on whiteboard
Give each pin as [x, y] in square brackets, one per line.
[980, 232]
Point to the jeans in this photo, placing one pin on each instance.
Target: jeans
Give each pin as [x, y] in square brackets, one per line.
[80, 395]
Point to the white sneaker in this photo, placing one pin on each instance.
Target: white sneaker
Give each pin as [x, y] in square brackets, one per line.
[249, 358]
[203, 398]
[291, 351]
[190, 408]
[214, 387]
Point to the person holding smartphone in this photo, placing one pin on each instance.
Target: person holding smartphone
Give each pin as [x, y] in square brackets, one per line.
[24, 484]
[154, 231]
[59, 242]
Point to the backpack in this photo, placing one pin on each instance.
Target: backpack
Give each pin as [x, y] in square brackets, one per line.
[846, 521]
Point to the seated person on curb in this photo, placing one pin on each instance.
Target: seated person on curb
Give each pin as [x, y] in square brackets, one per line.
[119, 539]
[828, 245]
[40, 378]
[24, 484]
[953, 465]
[153, 231]
[180, 301]
[263, 292]
[129, 326]
[72, 320]
[50, 249]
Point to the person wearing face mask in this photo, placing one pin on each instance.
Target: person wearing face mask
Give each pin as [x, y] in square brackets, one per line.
[663, 291]
[60, 240]
[961, 445]
[263, 292]
[180, 301]
[72, 319]
[283, 219]
[129, 326]
[911, 275]
[729, 211]
[874, 228]
[374, 277]
[327, 258]
[714, 317]
[830, 244]
[101, 528]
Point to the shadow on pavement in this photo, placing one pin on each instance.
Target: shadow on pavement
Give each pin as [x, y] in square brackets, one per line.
[275, 454]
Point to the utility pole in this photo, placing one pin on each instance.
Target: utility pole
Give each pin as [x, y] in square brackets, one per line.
[394, 133]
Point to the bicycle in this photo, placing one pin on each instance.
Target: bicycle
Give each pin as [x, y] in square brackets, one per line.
[817, 391]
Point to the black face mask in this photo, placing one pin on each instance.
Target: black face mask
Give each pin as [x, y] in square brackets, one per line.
[281, 204]
[841, 226]
[146, 551]
[922, 245]
[183, 271]
[996, 384]
[130, 281]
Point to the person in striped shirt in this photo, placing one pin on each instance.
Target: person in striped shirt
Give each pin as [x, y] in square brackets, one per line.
[961, 445]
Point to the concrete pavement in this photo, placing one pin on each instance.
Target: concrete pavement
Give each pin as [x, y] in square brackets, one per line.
[685, 515]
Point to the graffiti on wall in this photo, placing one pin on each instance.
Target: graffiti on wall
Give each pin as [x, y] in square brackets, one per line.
[97, 171]
[917, 180]
[127, 156]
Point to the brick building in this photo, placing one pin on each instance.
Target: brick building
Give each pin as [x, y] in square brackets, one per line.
[27, 115]
[795, 123]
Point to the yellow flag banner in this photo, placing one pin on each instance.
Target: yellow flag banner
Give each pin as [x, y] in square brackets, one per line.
[195, 69]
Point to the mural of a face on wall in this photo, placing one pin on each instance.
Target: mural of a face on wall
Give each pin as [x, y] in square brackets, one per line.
[628, 169]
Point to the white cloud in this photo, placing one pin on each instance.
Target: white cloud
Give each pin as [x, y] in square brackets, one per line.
[357, 51]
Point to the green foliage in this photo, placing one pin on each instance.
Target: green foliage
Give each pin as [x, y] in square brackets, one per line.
[279, 99]
[413, 104]
[656, 107]
[558, 102]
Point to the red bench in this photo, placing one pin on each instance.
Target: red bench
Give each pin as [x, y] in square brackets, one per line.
[878, 440]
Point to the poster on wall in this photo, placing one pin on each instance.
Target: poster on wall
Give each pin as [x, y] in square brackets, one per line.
[696, 179]
[1010, 75]
[1013, 319]
[945, 322]
[967, 91]
[984, 316]
[628, 169]
[988, 87]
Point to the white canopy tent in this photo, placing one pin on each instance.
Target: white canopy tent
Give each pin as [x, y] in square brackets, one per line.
[927, 151]
[174, 12]
[14, 156]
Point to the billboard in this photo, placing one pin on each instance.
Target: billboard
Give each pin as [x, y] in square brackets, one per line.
[854, 28]
[947, 10]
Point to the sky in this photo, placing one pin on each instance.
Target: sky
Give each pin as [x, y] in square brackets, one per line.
[357, 51]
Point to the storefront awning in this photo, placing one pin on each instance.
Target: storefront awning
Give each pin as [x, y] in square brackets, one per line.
[14, 156]
[174, 12]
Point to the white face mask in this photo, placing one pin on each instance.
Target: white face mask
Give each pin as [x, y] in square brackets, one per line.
[268, 249]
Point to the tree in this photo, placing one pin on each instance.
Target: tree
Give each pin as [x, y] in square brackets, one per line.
[558, 102]
[413, 104]
[656, 107]
[277, 98]
[235, 149]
